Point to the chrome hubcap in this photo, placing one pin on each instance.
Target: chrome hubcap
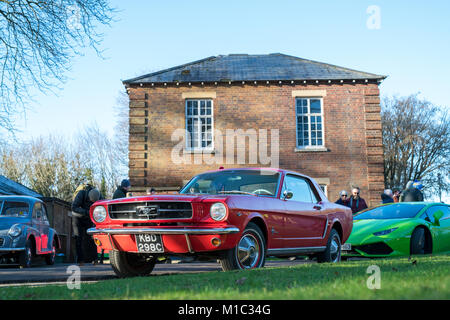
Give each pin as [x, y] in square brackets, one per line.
[335, 250]
[28, 261]
[248, 251]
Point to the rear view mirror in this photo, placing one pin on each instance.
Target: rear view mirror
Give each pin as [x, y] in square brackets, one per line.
[437, 216]
[287, 194]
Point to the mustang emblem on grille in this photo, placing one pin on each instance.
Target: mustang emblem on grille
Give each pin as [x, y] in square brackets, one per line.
[147, 211]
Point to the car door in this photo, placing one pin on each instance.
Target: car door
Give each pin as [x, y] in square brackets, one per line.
[441, 228]
[305, 219]
[37, 225]
[45, 230]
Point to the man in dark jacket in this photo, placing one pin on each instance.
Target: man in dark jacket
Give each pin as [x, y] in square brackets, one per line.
[356, 203]
[411, 193]
[81, 222]
[121, 191]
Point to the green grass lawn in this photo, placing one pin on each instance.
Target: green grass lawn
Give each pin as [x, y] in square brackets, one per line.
[425, 277]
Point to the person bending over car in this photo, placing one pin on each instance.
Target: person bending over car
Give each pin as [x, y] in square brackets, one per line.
[81, 222]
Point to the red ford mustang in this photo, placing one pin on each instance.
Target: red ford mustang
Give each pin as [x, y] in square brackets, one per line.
[238, 216]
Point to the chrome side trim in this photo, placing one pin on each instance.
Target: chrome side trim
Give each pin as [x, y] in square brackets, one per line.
[168, 231]
[326, 229]
[286, 251]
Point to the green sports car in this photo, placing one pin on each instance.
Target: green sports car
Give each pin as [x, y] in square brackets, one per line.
[400, 229]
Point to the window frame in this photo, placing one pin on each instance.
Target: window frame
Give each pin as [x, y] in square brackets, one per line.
[309, 115]
[325, 188]
[311, 187]
[189, 147]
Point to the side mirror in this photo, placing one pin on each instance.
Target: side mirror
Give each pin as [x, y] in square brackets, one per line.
[437, 216]
[287, 194]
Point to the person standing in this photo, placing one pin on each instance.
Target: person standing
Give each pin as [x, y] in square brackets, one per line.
[343, 198]
[412, 192]
[356, 203]
[387, 196]
[396, 196]
[81, 222]
[122, 190]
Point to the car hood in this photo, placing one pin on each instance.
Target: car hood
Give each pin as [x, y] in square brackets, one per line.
[165, 197]
[7, 222]
[363, 229]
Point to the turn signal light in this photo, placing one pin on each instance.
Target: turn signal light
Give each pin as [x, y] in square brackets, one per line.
[216, 242]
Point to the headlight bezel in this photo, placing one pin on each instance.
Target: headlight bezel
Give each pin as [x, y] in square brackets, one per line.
[15, 231]
[218, 211]
[99, 214]
[384, 232]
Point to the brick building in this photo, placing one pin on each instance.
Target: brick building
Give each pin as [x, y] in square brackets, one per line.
[318, 119]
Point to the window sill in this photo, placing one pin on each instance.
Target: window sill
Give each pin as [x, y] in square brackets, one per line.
[199, 151]
[311, 149]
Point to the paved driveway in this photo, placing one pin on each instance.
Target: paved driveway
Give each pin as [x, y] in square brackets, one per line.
[58, 273]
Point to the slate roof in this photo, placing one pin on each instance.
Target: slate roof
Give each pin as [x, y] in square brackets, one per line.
[244, 67]
[10, 187]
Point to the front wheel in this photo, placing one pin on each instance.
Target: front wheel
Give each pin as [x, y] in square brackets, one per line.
[26, 256]
[249, 253]
[418, 241]
[128, 264]
[332, 252]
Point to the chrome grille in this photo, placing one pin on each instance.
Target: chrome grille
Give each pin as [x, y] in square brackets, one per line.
[150, 210]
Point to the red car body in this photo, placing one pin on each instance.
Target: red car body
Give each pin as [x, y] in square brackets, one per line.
[286, 227]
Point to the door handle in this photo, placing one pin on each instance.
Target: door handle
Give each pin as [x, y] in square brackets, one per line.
[317, 207]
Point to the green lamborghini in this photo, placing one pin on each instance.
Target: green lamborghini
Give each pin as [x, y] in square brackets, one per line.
[400, 229]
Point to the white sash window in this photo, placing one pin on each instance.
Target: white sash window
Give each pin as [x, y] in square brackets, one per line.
[199, 124]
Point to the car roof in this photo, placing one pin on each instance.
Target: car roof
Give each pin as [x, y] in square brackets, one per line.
[260, 168]
[322, 194]
[28, 199]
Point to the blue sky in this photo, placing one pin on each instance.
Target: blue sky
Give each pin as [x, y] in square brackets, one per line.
[412, 47]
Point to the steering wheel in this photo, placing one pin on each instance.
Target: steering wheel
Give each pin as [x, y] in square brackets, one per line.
[258, 191]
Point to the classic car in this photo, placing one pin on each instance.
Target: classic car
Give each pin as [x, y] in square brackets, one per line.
[400, 229]
[25, 231]
[237, 216]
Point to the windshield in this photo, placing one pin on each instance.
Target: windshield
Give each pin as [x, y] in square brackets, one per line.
[256, 182]
[391, 211]
[14, 209]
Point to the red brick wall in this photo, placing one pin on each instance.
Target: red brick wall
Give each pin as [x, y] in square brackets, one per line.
[352, 126]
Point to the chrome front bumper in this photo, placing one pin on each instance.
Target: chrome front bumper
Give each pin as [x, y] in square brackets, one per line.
[165, 231]
[186, 231]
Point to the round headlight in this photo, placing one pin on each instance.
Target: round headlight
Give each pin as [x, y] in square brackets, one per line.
[218, 211]
[99, 214]
[15, 231]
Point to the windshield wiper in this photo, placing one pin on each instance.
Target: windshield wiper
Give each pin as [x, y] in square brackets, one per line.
[237, 192]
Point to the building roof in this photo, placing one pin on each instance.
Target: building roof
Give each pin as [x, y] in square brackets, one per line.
[245, 67]
[10, 187]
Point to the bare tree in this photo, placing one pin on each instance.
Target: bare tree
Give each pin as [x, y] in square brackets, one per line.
[55, 166]
[38, 39]
[100, 152]
[416, 139]
[12, 163]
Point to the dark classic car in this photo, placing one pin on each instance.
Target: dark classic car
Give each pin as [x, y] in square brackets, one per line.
[238, 216]
[25, 231]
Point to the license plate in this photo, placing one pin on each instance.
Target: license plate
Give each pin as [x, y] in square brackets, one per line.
[149, 243]
[346, 247]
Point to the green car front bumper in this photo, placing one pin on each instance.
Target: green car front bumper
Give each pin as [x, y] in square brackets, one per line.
[379, 247]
